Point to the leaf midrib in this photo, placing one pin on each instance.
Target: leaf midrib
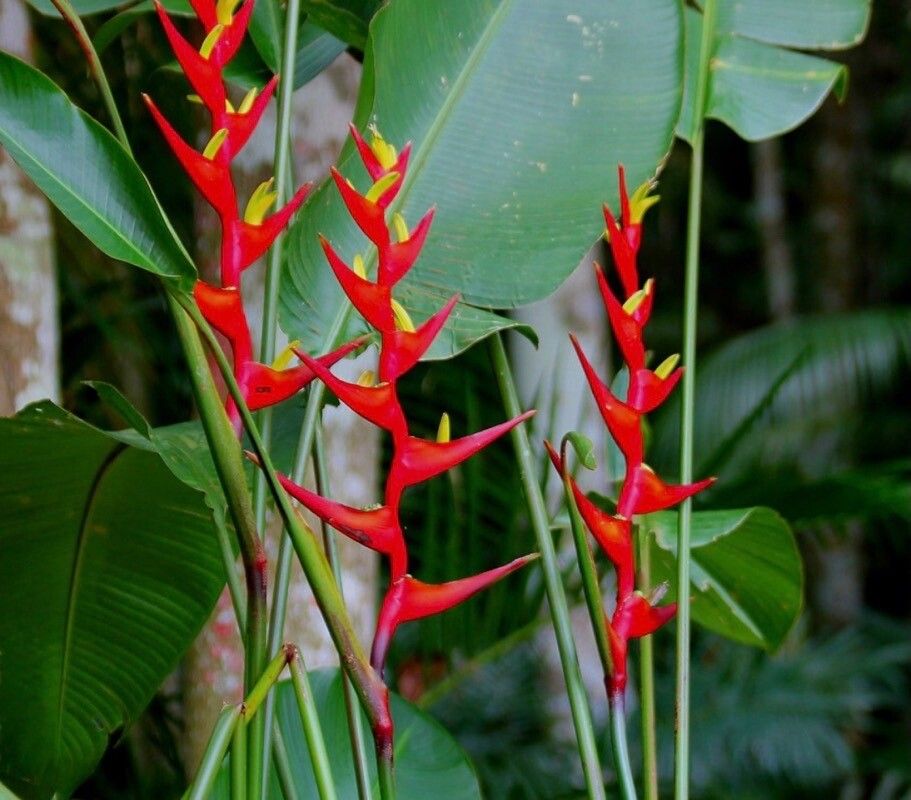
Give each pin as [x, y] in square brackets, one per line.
[93, 492]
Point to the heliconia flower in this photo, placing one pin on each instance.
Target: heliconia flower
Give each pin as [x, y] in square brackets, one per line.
[642, 491]
[244, 238]
[409, 599]
[402, 344]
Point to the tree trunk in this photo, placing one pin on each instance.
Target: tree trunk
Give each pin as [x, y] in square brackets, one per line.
[771, 217]
[29, 330]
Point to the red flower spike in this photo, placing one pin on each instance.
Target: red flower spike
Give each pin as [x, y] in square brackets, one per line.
[204, 75]
[241, 126]
[370, 217]
[230, 41]
[376, 404]
[644, 492]
[626, 330]
[376, 528]
[419, 460]
[400, 257]
[249, 242]
[205, 10]
[409, 599]
[224, 311]
[648, 391]
[211, 178]
[623, 422]
[413, 460]
[372, 300]
[403, 349]
[611, 534]
[371, 163]
[624, 256]
[646, 618]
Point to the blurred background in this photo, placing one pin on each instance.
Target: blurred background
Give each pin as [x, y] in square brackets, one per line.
[805, 333]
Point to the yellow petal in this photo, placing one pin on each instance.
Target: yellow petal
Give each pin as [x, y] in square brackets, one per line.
[259, 203]
[378, 188]
[443, 431]
[401, 229]
[640, 202]
[215, 143]
[224, 11]
[284, 357]
[195, 98]
[228, 106]
[208, 44]
[402, 319]
[247, 103]
[367, 378]
[666, 367]
[385, 153]
[634, 301]
[358, 267]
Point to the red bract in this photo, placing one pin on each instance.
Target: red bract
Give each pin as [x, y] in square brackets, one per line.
[414, 460]
[244, 237]
[642, 491]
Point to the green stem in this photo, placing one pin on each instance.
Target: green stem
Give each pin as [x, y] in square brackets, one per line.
[556, 596]
[262, 739]
[590, 585]
[206, 775]
[330, 545]
[313, 732]
[239, 760]
[230, 468]
[647, 683]
[370, 688]
[283, 765]
[85, 43]
[621, 750]
[690, 312]
[386, 775]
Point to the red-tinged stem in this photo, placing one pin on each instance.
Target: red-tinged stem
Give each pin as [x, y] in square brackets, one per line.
[371, 690]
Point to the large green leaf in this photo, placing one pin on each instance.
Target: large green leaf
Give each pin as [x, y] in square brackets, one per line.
[85, 172]
[757, 86]
[746, 571]
[428, 761]
[519, 112]
[109, 569]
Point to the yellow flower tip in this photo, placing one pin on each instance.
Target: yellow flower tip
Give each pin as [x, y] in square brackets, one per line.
[649, 286]
[641, 201]
[385, 153]
[379, 188]
[215, 143]
[443, 431]
[247, 103]
[283, 359]
[195, 98]
[667, 366]
[402, 319]
[260, 202]
[358, 267]
[208, 44]
[229, 106]
[401, 229]
[367, 378]
[634, 301]
[224, 11]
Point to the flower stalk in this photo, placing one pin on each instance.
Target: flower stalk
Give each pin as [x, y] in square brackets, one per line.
[635, 615]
